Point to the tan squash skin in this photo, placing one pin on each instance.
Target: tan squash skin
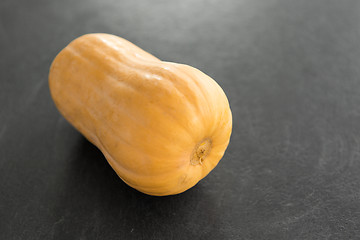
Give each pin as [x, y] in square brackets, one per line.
[161, 126]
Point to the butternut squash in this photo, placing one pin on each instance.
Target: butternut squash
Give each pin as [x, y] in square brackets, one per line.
[162, 126]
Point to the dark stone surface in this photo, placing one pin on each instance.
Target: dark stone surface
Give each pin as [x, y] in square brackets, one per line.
[292, 170]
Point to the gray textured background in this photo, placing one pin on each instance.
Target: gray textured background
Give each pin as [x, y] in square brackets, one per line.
[291, 71]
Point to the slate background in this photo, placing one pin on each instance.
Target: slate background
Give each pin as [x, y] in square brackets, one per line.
[290, 69]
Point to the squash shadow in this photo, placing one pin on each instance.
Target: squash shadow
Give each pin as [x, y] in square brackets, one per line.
[95, 201]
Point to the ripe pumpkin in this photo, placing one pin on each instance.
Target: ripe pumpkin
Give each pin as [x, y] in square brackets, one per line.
[162, 126]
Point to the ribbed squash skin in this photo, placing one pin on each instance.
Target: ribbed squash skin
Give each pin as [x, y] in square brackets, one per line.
[162, 126]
